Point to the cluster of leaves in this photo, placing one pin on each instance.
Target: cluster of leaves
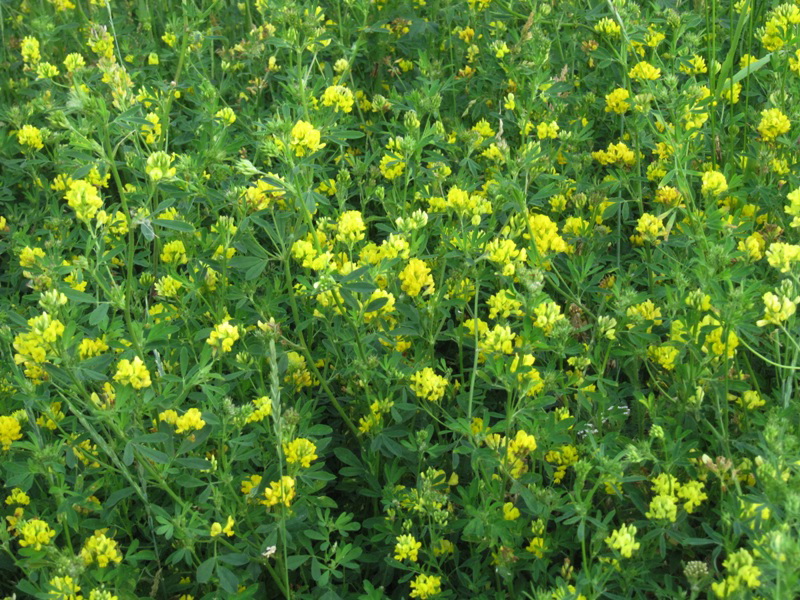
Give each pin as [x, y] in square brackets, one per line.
[399, 299]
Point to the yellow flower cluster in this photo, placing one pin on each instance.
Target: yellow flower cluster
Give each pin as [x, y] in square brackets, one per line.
[428, 385]
[425, 586]
[545, 236]
[30, 50]
[391, 166]
[505, 253]
[350, 228]
[773, 123]
[783, 256]
[548, 315]
[649, 228]
[714, 342]
[174, 252]
[644, 71]
[499, 339]
[664, 355]
[10, 431]
[262, 193]
[407, 547]
[777, 309]
[262, 408]
[226, 115]
[741, 574]
[616, 101]
[35, 534]
[223, 336]
[615, 154]
[504, 304]
[31, 137]
[280, 492]
[305, 139]
[191, 420]
[517, 451]
[623, 540]
[33, 347]
[714, 183]
[300, 451]
[415, 276]
[338, 96]
[564, 457]
[608, 27]
[159, 166]
[645, 311]
[778, 29]
[219, 529]
[100, 549]
[462, 203]
[793, 210]
[133, 373]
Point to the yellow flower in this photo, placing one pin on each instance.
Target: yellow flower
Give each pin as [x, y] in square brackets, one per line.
[644, 71]
[226, 115]
[693, 494]
[783, 256]
[623, 540]
[714, 183]
[262, 408]
[425, 586]
[616, 101]
[338, 96]
[350, 227]
[391, 166]
[300, 451]
[663, 507]
[30, 50]
[10, 431]
[773, 123]
[218, 529]
[617, 153]
[280, 492]
[84, 198]
[548, 314]
[192, 419]
[100, 549]
[159, 167]
[223, 336]
[651, 228]
[505, 253]
[305, 139]
[17, 496]
[73, 62]
[510, 512]
[547, 130]
[777, 309]
[31, 137]
[428, 385]
[174, 252]
[416, 276]
[608, 27]
[133, 373]
[406, 547]
[35, 533]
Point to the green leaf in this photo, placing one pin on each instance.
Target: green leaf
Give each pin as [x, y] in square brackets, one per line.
[192, 462]
[205, 570]
[293, 562]
[376, 304]
[154, 455]
[227, 580]
[174, 225]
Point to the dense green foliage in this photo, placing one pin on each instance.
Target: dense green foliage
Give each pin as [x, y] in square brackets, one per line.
[390, 299]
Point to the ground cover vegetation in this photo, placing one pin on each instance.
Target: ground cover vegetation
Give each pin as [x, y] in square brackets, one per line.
[399, 299]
